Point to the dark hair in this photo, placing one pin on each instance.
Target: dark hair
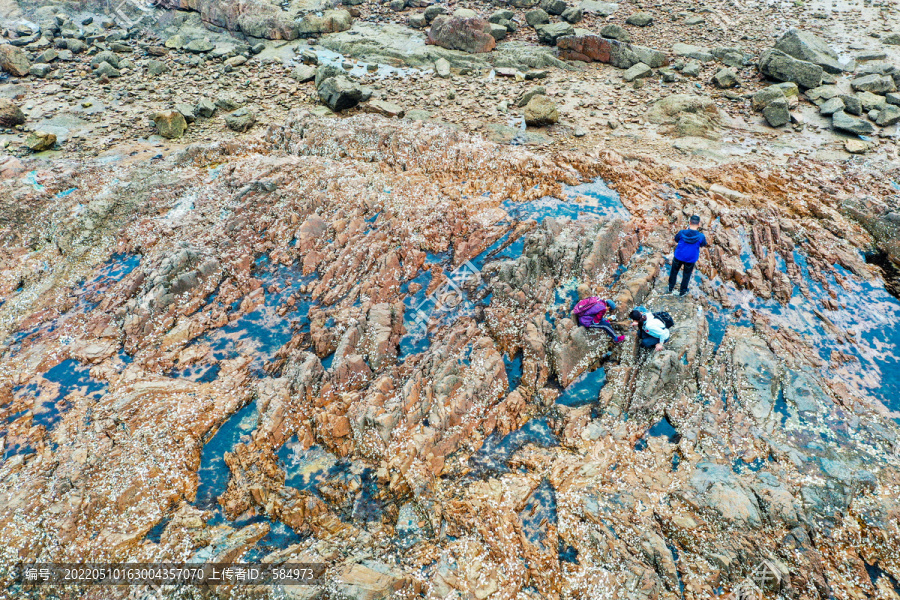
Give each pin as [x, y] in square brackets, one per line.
[636, 315]
[695, 220]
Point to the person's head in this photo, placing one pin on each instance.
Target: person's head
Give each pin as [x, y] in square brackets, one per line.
[695, 221]
[636, 315]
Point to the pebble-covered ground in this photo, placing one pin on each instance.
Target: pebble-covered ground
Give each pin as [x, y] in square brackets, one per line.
[241, 320]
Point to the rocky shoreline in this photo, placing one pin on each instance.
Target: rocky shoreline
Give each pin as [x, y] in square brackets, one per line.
[289, 284]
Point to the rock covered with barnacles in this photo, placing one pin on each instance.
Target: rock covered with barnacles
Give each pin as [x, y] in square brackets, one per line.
[350, 341]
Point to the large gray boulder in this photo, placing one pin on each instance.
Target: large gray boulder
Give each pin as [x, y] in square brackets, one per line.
[549, 34]
[107, 69]
[852, 104]
[726, 78]
[596, 48]
[468, 34]
[763, 97]
[240, 120]
[640, 19]
[256, 18]
[615, 32]
[696, 52]
[536, 17]
[330, 21]
[805, 46]
[887, 116]
[10, 114]
[777, 112]
[831, 106]
[876, 84]
[105, 56]
[13, 60]
[869, 101]
[601, 9]
[844, 122]
[553, 7]
[541, 110]
[778, 65]
[170, 124]
[340, 93]
[638, 71]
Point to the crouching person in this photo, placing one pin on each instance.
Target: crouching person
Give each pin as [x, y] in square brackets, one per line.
[653, 331]
[591, 313]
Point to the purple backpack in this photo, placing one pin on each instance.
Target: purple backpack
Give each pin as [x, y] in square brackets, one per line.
[587, 309]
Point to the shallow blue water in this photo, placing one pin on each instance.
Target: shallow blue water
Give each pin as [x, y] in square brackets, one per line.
[567, 553]
[416, 314]
[538, 513]
[48, 401]
[88, 294]
[875, 573]
[781, 407]
[740, 466]
[502, 249]
[438, 258]
[513, 370]
[16, 447]
[263, 331]
[565, 297]
[748, 258]
[306, 469]
[413, 344]
[514, 250]
[155, 534]
[869, 310]
[315, 469]
[584, 390]
[214, 473]
[201, 373]
[674, 552]
[112, 271]
[31, 179]
[664, 428]
[423, 279]
[424, 311]
[599, 201]
[280, 536]
[497, 450]
[367, 505]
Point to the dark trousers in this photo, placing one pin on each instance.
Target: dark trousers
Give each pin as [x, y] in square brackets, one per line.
[685, 278]
[605, 326]
[647, 340]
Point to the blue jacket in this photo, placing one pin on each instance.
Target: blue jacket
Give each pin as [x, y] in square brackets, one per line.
[689, 243]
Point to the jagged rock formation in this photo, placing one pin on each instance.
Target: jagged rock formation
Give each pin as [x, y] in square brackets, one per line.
[238, 331]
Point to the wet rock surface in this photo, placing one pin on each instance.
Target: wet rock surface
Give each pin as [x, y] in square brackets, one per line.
[257, 342]
[284, 282]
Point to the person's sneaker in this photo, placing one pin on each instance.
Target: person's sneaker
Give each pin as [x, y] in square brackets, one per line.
[684, 293]
[620, 339]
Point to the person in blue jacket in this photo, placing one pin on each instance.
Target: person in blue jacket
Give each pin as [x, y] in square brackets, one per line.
[686, 254]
